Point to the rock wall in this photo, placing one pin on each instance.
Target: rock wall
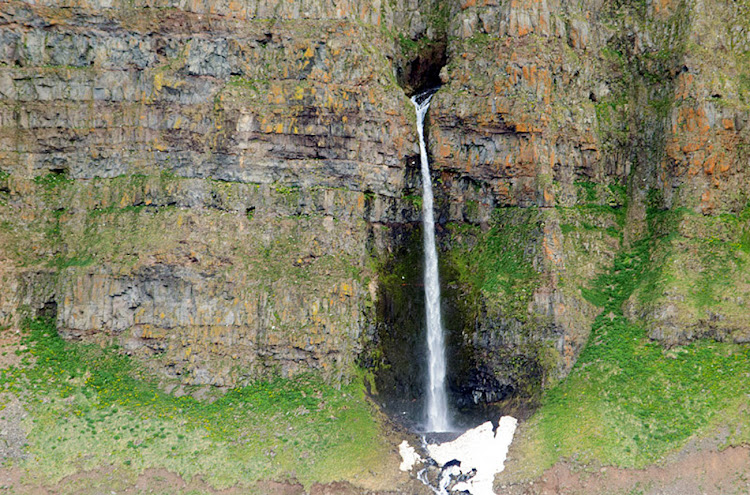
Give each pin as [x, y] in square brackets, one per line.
[196, 180]
[230, 189]
[697, 184]
[565, 133]
[521, 159]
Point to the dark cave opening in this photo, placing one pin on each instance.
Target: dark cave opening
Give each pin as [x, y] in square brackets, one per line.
[48, 310]
[417, 72]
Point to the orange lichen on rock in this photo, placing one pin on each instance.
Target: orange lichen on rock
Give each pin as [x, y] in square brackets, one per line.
[662, 8]
[552, 246]
[684, 86]
[709, 164]
[549, 197]
[444, 149]
[527, 127]
[707, 204]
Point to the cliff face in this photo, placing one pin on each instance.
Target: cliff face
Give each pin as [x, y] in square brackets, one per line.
[229, 189]
[565, 133]
[195, 182]
[515, 135]
[696, 186]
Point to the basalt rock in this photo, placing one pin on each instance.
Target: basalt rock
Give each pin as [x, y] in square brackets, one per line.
[229, 189]
[591, 126]
[198, 184]
[516, 146]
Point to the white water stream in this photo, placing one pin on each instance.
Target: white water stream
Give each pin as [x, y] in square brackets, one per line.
[438, 419]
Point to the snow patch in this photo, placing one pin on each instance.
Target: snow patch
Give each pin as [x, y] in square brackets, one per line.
[409, 456]
[478, 449]
[468, 463]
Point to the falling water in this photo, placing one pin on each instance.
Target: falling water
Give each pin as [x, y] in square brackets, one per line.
[437, 401]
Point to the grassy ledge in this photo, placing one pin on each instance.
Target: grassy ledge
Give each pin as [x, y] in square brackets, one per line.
[630, 401]
[91, 407]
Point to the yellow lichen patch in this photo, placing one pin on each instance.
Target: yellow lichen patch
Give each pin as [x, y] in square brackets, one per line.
[236, 7]
[158, 81]
[158, 145]
[276, 94]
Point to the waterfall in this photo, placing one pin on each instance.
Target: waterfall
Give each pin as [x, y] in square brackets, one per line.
[437, 400]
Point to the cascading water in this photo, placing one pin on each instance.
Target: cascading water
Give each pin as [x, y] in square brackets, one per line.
[438, 419]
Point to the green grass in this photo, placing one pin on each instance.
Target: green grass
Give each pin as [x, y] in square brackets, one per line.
[407, 44]
[629, 401]
[714, 249]
[495, 262]
[414, 200]
[722, 252]
[62, 262]
[52, 180]
[93, 407]
[243, 82]
[588, 191]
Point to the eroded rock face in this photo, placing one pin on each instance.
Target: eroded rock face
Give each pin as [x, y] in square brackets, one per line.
[198, 181]
[213, 184]
[700, 184]
[593, 126]
[515, 140]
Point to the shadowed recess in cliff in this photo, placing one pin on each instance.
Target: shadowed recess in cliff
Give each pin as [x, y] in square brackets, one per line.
[400, 336]
[421, 71]
[423, 48]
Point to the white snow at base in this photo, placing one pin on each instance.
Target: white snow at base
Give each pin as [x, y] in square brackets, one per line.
[479, 448]
[409, 456]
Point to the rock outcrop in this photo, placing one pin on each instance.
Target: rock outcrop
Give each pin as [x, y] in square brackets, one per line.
[514, 136]
[564, 134]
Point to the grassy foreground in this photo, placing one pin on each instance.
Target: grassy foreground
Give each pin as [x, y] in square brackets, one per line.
[91, 407]
[630, 401]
